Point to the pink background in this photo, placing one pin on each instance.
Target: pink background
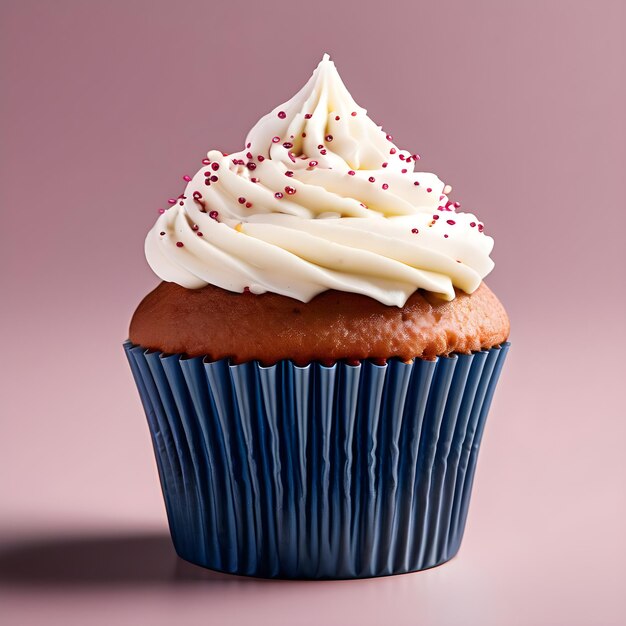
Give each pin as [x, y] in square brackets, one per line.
[105, 105]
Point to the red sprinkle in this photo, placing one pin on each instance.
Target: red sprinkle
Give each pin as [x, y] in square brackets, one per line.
[213, 215]
[275, 139]
[254, 180]
[472, 224]
[322, 152]
[307, 116]
[179, 244]
[353, 113]
[351, 172]
[457, 205]
[451, 222]
[304, 134]
[282, 115]
[290, 190]
[416, 157]
[248, 145]
[287, 145]
[197, 195]
[251, 165]
[337, 118]
[162, 233]
[161, 211]
[289, 173]
[385, 164]
[480, 228]
[435, 217]
[214, 178]
[401, 157]
[404, 171]
[389, 138]
[261, 158]
[446, 236]
[242, 200]
[312, 163]
[278, 195]
[385, 186]
[392, 151]
[215, 166]
[248, 205]
[428, 189]
[329, 137]
[186, 178]
[172, 201]
[206, 161]
[199, 234]
[415, 231]
[249, 154]
[371, 179]
[416, 183]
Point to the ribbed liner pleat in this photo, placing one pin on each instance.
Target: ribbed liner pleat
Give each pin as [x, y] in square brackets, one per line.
[316, 472]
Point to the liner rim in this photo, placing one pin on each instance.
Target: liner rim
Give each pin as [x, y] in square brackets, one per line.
[370, 361]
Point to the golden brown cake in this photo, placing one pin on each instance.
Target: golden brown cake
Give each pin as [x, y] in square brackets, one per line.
[334, 325]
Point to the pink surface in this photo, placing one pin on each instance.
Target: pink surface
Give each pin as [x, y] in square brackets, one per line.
[520, 106]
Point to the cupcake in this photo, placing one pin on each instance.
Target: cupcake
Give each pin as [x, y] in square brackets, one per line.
[318, 362]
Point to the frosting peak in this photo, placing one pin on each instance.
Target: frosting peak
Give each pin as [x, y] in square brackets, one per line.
[320, 198]
[323, 121]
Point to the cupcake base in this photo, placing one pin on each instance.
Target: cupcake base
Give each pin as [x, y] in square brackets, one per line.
[349, 471]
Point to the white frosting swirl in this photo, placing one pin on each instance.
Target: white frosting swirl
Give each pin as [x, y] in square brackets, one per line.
[319, 199]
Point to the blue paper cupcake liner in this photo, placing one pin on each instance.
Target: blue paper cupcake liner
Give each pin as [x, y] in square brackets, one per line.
[347, 471]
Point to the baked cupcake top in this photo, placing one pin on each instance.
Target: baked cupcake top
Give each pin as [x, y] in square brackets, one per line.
[334, 325]
[319, 199]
